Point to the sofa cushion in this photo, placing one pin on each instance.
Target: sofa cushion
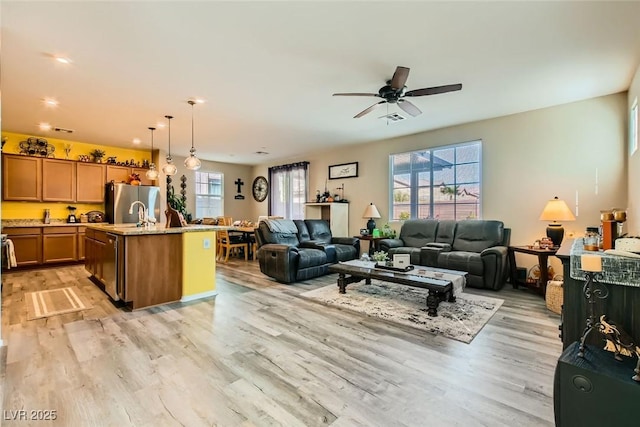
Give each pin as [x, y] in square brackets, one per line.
[471, 262]
[446, 231]
[418, 232]
[311, 258]
[346, 252]
[319, 230]
[303, 231]
[477, 235]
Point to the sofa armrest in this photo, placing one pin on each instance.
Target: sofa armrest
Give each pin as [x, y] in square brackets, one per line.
[353, 241]
[494, 261]
[444, 247]
[429, 254]
[279, 261]
[386, 244]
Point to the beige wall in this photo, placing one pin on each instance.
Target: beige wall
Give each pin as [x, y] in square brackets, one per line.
[633, 205]
[528, 158]
[238, 209]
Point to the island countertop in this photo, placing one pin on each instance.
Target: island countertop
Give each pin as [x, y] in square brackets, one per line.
[134, 230]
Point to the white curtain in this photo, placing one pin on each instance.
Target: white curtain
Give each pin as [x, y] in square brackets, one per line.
[288, 190]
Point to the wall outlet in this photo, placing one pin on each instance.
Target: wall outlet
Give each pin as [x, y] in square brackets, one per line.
[206, 243]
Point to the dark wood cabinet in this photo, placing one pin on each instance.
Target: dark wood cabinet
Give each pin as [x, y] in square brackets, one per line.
[91, 178]
[59, 248]
[27, 243]
[58, 180]
[21, 178]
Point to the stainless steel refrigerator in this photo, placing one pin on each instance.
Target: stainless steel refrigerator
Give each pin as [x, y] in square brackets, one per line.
[119, 197]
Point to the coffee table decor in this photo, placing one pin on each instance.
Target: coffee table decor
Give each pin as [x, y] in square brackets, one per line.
[404, 305]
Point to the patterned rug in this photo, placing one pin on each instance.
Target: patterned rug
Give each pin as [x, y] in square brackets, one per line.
[53, 302]
[461, 320]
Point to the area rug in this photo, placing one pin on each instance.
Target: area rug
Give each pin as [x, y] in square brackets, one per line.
[53, 302]
[461, 320]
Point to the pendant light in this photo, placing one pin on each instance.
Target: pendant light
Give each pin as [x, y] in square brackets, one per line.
[169, 168]
[152, 173]
[192, 162]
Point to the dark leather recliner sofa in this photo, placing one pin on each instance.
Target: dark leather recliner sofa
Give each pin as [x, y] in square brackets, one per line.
[291, 251]
[478, 247]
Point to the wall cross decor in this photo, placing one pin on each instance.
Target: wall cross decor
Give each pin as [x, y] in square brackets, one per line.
[239, 183]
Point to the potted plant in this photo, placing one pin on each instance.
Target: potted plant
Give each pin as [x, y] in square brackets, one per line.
[97, 155]
[379, 256]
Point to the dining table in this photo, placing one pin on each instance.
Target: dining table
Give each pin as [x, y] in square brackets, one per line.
[248, 235]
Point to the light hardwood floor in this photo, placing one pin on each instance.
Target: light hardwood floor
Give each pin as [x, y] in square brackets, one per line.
[258, 354]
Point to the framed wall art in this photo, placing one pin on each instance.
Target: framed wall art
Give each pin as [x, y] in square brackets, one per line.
[344, 170]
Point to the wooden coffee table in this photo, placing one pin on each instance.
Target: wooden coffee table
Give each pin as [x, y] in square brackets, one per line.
[355, 271]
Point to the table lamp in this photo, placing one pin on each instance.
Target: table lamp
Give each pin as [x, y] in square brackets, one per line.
[556, 210]
[371, 212]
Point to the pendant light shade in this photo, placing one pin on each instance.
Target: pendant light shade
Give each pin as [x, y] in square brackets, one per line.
[169, 168]
[152, 173]
[192, 162]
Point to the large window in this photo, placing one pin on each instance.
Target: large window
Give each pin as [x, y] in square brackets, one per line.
[288, 192]
[442, 183]
[209, 194]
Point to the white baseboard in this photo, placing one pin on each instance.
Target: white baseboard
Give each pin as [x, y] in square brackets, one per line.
[198, 296]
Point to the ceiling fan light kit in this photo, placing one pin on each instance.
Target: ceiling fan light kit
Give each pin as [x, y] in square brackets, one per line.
[192, 162]
[395, 91]
[169, 168]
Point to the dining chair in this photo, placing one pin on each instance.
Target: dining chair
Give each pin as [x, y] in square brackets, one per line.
[226, 245]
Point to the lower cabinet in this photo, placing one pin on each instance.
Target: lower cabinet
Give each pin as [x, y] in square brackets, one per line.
[59, 244]
[36, 246]
[27, 244]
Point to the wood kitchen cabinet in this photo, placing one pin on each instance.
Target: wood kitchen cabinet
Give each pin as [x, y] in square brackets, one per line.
[91, 178]
[80, 239]
[59, 244]
[58, 180]
[27, 243]
[118, 173]
[21, 178]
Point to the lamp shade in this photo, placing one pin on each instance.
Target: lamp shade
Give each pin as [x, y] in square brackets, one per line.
[371, 212]
[557, 210]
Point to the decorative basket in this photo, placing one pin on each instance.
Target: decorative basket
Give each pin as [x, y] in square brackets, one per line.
[554, 296]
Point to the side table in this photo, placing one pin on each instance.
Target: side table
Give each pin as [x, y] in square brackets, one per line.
[373, 242]
[543, 257]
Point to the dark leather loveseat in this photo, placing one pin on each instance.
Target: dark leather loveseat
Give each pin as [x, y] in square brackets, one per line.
[291, 251]
[478, 247]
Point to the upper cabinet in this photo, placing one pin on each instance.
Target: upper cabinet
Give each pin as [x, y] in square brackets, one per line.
[21, 178]
[90, 182]
[58, 180]
[37, 179]
[118, 173]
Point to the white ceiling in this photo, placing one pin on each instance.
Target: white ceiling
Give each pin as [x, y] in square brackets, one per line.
[268, 69]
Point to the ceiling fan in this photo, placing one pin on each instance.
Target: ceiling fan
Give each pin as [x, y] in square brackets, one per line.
[395, 91]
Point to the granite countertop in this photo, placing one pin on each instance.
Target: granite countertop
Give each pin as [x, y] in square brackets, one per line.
[133, 230]
[39, 223]
[616, 270]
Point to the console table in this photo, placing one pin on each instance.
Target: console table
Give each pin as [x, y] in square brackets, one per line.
[543, 257]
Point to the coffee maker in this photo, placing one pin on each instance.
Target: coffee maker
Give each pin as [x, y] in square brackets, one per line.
[72, 215]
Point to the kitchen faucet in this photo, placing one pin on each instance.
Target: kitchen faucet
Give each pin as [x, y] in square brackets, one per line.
[143, 214]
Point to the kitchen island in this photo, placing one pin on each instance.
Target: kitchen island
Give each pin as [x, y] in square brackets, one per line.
[147, 266]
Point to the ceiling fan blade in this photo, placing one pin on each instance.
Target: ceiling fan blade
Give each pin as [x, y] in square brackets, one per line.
[409, 107]
[399, 77]
[363, 112]
[355, 94]
[434, 90]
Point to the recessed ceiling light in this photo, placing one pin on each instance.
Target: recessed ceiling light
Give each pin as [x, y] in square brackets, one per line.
[136, 140]
[50, 102]
[62, 59]
[160, 125]
[44, 126]
[199, 101]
